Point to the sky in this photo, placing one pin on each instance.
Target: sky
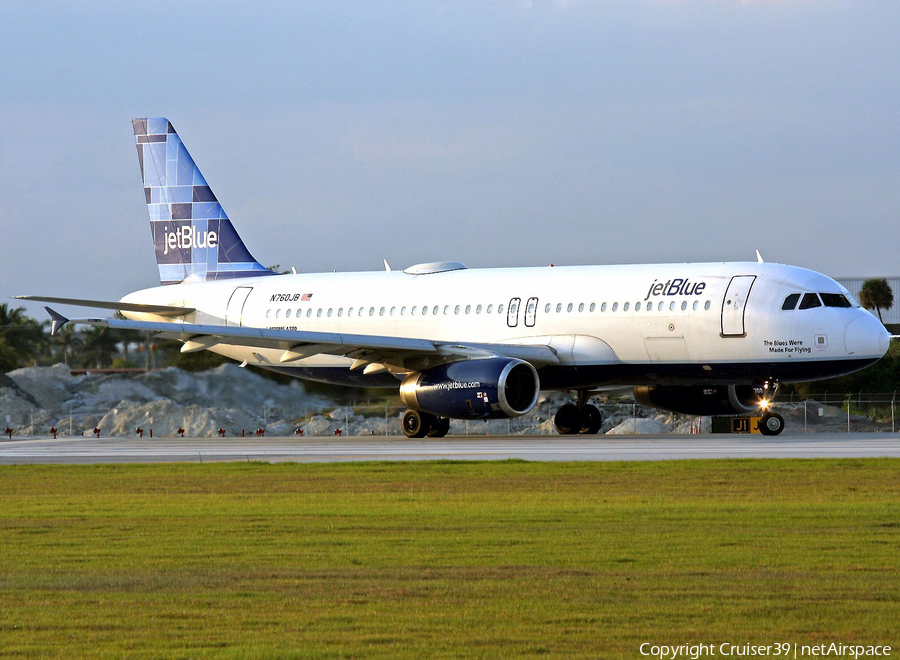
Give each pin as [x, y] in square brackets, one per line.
[338, 134]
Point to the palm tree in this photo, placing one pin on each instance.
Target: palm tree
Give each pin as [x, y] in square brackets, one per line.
[876, 294]
[21, 337]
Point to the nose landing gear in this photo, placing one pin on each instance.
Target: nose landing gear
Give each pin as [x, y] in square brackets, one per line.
[771, 423]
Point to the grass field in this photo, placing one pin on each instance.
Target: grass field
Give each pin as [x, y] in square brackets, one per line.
[446, 560]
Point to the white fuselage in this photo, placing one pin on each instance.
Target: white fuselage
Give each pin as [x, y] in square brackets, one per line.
[609, 325]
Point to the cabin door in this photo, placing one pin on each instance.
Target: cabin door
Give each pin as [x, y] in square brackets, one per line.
[734, 304]
[235, 309]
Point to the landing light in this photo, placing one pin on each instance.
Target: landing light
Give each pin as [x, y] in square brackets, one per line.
[764, 404]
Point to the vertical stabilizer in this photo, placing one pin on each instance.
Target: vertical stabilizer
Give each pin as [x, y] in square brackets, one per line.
[193, 237]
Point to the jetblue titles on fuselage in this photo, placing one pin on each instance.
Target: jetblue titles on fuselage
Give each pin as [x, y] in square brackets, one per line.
[675, 287]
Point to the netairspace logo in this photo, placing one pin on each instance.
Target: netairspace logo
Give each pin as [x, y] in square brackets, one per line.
[188, 237]
[782, 649]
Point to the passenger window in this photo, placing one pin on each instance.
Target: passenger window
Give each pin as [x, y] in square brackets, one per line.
[490, 309]
[570, 307]
[672, 306]
[456, 310]
[309, 313]
[593, 307]
[500, 309]
[660, 305]
[615, 306]
[625, 307]
[340, 311]
[381, 311]
[809, 301]
[319, 312]
[547, 308]
[287, 313]
[683, 305]
[835, 300]
[403, 311]
[268, 313]
[706, 305]
[637, 306]
[603, 307]
[558, 308]
[393, 311]
[412, 312]
[434, 310]
[478, 309]
[696, 305]
[790, 302]
[330, 310]
[580, 307]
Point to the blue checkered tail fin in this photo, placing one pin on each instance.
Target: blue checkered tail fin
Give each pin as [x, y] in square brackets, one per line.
[193, 237]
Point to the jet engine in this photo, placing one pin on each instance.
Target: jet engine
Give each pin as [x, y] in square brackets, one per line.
[702, 399]
[489, 388]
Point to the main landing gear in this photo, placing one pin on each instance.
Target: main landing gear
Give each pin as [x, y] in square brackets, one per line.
[579, 418]
[418, 424]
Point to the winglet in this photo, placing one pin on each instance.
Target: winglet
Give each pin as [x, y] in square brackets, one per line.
[759, 258]
[58, 321]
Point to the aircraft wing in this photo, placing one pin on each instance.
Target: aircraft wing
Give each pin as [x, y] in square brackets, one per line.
[375, 350]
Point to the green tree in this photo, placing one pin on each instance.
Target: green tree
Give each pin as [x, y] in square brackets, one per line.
[100, 344]
[876, 294]
[21, 338]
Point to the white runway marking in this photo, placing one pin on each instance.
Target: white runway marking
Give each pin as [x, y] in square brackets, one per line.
[369, 448]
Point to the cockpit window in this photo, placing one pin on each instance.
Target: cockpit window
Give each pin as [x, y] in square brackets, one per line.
[835, 300]
[809, 301]
[791, 301]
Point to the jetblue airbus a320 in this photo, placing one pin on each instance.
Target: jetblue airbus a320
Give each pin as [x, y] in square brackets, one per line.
[701, 339]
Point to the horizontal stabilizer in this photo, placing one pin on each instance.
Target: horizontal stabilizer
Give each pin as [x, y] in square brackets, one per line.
[161, 310]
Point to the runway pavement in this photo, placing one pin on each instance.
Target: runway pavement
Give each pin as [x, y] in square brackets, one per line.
[379, 448]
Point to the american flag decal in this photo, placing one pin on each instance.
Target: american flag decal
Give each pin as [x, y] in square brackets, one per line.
[306, 297]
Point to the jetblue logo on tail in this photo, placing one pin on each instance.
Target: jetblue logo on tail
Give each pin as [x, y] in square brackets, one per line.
[193, 237]
[187, 237]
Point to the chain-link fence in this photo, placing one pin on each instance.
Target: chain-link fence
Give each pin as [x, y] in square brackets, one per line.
[829, 412]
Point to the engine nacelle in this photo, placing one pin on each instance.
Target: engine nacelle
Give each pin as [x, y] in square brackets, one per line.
[491, 388]
[702, 399]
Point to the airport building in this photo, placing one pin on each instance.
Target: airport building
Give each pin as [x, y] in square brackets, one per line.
[889, 316]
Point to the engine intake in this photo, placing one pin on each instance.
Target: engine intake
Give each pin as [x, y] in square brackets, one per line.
[701, 399]
[492, 388]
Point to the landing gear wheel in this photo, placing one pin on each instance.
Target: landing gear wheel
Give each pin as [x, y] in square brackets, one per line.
[439, 428]
[771, 424]
[416, 424]
[568, 420]
[591, 420]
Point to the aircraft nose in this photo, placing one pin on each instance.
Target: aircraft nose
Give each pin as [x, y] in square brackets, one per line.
[866, 336]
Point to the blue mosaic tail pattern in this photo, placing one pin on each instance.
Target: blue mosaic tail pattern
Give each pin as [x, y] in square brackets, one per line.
[193, 237]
